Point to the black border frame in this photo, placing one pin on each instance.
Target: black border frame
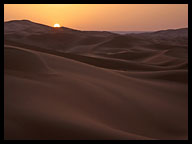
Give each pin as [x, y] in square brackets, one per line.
[2, 2]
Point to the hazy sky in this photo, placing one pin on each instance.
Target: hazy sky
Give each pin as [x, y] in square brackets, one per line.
[114, 17]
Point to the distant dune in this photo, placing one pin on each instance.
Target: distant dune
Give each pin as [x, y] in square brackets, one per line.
[129, 32]
[65, 84]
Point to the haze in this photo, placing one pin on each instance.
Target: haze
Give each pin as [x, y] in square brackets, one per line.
[112, 17]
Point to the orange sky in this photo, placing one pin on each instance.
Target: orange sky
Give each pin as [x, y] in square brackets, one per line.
[113, 17]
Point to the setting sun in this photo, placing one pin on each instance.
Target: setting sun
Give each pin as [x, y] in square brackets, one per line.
[56, 25]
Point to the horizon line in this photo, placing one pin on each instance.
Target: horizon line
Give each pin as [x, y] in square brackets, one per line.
[97, 30]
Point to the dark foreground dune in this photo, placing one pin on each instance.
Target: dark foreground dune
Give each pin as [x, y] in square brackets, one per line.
[137, 91]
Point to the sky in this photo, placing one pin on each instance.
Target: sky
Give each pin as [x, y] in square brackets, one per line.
[107, 17]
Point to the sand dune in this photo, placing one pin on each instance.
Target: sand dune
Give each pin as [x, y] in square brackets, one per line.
[118, 87]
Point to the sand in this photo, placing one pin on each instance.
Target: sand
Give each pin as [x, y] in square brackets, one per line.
[132, 92]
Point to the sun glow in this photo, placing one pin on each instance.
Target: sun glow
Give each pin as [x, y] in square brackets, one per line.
[57, 25]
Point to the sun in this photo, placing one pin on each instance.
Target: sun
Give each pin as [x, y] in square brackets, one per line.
[57, 25]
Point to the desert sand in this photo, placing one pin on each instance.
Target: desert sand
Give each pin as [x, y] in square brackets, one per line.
[65, 84]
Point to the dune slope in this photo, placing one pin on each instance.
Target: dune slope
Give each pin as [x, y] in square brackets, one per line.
[58, 98]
